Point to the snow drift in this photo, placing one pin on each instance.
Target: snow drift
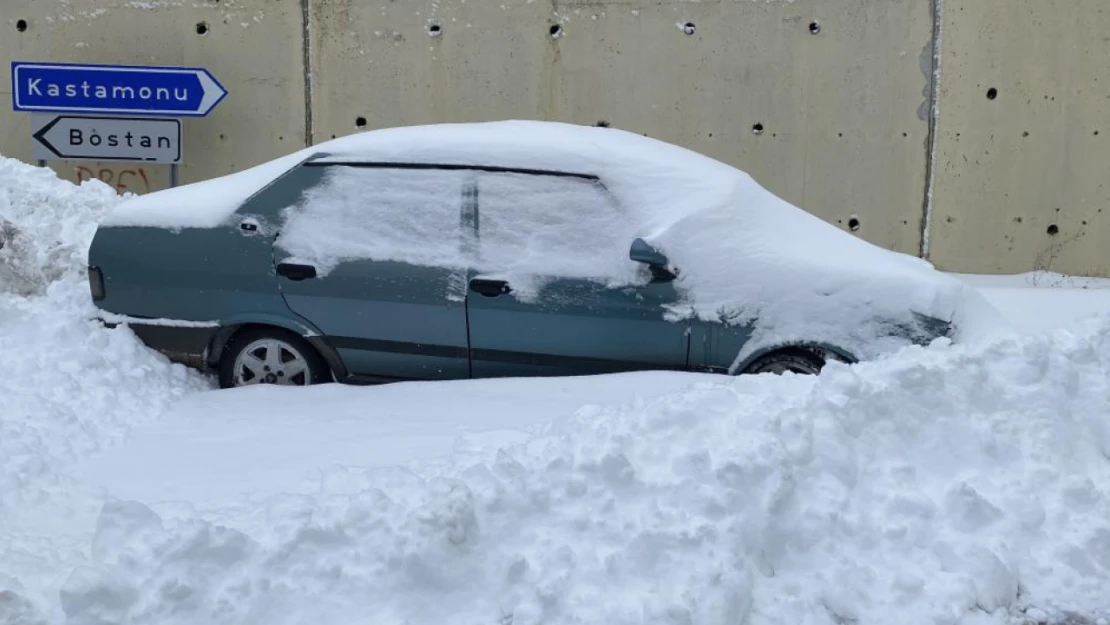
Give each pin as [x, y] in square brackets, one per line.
[958, 485]
[69, 387]
[45, 225]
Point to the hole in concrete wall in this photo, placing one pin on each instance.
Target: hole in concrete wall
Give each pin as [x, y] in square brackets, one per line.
[1096, 133]
[360, 122]
[905, 134]
[601, 123]
[21, 25]
[434, 30]
[1084, 222]
[992, 93]
[840, 135]
[853, 224]
[814, 27]
[556, 31]
[1053, 229]
[688, 28]
[202, 28]
[1017, 220]
[757, 129]
[1025, 133]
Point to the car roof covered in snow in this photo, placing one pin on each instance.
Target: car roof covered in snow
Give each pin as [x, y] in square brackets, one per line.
[615, 155]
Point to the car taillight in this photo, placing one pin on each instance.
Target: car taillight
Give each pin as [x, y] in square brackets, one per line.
[96, 283]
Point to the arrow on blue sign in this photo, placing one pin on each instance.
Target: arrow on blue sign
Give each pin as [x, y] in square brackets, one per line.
[129, 89]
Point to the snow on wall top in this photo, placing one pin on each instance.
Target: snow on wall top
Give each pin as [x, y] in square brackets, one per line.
[742, 252]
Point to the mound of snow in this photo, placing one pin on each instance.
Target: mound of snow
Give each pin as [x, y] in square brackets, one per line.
[69, 387]
[46, 224]
[959, 485]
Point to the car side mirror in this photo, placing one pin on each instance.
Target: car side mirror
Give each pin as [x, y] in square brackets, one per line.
[642, 252]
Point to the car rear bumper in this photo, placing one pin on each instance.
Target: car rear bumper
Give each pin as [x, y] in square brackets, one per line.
[184, 342]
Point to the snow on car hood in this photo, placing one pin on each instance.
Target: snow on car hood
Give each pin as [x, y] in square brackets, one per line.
[743, 254]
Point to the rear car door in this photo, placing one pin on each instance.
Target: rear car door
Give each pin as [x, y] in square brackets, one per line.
[539, 300]
[372, 256]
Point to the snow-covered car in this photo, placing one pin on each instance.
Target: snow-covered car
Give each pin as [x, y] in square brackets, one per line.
[501, 249]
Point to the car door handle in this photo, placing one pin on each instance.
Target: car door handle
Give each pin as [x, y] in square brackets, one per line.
[294, 271]
[490, 288]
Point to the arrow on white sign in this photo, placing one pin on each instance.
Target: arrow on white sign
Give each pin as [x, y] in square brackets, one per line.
[107, 138]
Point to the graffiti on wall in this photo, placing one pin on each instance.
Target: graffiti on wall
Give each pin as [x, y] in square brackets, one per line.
[122, 178]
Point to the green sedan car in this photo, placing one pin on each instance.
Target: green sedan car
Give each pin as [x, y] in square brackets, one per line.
[501, 249]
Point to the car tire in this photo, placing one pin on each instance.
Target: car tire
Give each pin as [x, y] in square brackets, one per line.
[793, 359]
[280, 357]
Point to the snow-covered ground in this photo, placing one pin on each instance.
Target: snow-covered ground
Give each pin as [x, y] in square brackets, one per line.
[952, 484]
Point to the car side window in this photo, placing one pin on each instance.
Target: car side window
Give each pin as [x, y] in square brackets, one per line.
[378, 213]
[555, 225]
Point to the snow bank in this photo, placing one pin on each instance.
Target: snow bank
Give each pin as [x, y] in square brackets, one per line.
[46, 224]
[960, 485]
[744, 256]
[69, 388]
[412, 422]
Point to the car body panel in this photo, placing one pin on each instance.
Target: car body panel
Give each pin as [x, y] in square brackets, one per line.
[575, 326]
[189, 275]
[222, 276]
[714, 345]
[387, 319]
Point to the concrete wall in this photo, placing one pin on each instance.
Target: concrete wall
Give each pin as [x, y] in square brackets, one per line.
[842, 91]
[1023, 179]
[842, 134]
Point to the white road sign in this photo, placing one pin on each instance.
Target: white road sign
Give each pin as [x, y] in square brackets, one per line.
[106, 138]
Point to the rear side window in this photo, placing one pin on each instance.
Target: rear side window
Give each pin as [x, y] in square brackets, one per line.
[377, 213]
[548, 225]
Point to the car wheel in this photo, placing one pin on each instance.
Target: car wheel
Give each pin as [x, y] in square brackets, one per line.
[271, 356]
[794, 359]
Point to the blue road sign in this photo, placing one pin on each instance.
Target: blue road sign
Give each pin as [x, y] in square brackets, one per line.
[127, 89]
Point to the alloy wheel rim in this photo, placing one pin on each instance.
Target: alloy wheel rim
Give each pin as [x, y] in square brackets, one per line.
[271, 361]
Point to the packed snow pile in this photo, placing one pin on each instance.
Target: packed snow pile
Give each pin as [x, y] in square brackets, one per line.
[743, 255]
[68, 386]
[946, 485]
[63, 374]
[46, 224]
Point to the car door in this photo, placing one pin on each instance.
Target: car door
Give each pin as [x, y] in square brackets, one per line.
[373, 257]
[538, 301]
